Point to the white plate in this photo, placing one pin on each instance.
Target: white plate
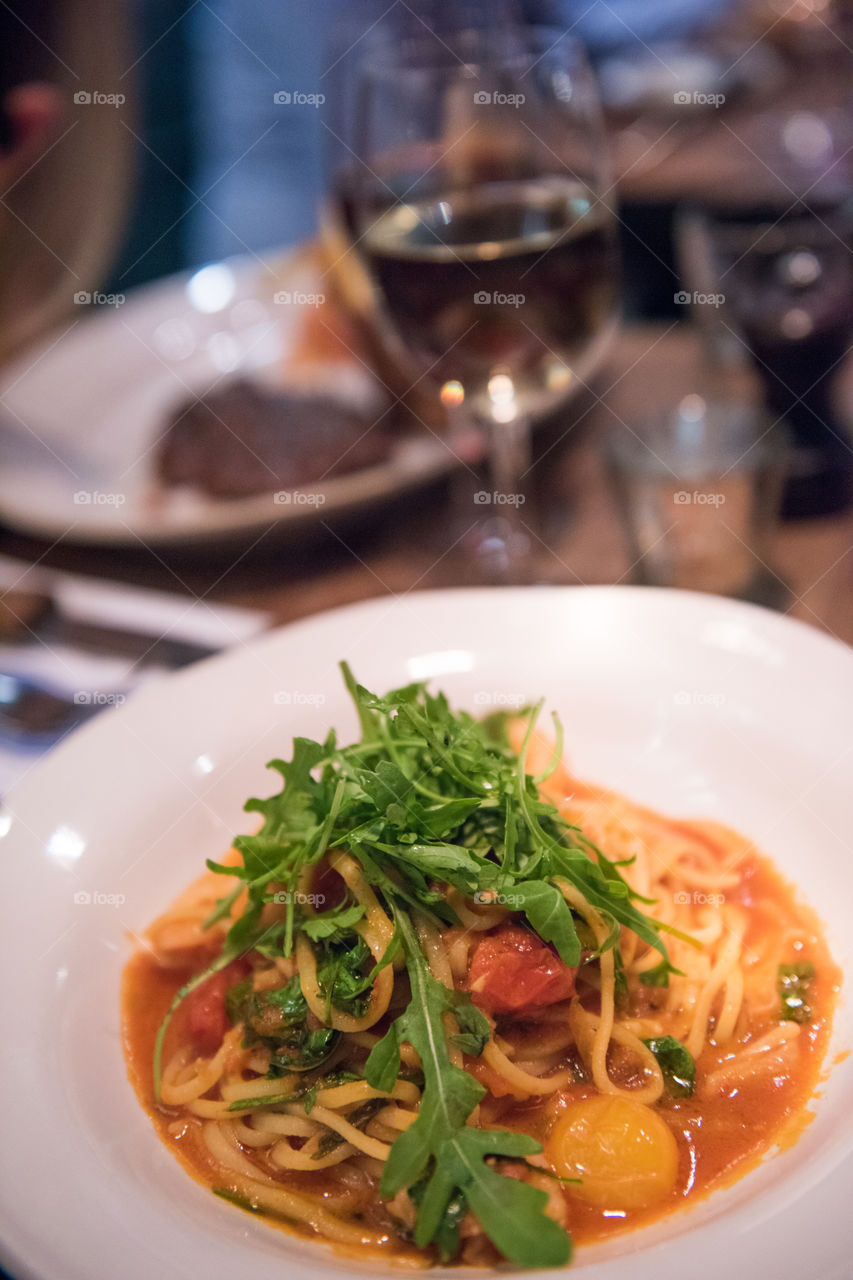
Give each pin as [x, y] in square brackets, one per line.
[695, 704]
[82, 413]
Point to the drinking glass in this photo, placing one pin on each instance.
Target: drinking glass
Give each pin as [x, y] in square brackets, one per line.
[473, 199]
[699, 495]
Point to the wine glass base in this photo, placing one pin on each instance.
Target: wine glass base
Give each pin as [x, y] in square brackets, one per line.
[497, 551]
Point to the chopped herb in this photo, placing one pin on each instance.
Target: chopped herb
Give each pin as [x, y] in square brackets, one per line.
[342, 977]
[676, 1063]
[555, 1177]
[360, 1118]
[329, 1081]
[240, 1201]
[266, 1100]
[474, 1026]
[309, 1050]
[278, 1019]
[794, 983]
[267, 1015]
[656, 977]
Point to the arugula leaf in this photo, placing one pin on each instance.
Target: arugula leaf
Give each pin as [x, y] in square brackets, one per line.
[440, 1144]
[606, 896]
[340, 973]
[442, 819]
[446, 1235]
[511, 1212]
[474, 1027]
[549, 914]
[387, 786]
[331, 922]
[452, 863]
[677, 1064]
[362, 699]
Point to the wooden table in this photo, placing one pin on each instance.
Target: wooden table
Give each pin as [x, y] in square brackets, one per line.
[400, 549]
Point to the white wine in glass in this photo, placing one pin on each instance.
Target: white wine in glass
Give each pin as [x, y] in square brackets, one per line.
[474, 197]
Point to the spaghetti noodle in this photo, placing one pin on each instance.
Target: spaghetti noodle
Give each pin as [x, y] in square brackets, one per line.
[438, 1010]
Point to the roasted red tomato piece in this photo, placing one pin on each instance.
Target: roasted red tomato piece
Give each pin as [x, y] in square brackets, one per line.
[204, 1008]
[328, 886]
[513, 971]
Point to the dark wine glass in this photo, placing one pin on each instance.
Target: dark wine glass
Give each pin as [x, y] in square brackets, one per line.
[776, 258]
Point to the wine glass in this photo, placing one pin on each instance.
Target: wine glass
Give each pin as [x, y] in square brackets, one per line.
[775, 258]
[473, 199]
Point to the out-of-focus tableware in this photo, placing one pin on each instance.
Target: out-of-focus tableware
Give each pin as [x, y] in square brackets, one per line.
[474, 194]
[699, 493]
[777, 261]
[82, 416]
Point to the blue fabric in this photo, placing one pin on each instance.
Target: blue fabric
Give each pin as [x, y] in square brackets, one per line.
[259, 162]
[260, 166]
[615, 24]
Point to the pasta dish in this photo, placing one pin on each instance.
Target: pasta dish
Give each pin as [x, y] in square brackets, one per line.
[451, 1004]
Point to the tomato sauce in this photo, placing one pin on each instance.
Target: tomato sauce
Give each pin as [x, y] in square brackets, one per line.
[719, 1137]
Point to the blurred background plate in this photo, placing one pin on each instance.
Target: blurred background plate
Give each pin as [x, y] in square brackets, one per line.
[83, 413]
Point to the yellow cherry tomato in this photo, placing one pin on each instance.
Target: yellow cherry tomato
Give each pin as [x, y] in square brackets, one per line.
[623, 1152]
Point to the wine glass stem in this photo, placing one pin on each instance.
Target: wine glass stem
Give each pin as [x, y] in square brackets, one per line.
[509, 463]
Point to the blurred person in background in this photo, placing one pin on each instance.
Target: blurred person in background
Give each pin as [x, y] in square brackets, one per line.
[65, 159]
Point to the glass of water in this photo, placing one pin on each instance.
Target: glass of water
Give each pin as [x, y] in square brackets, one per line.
[699, 494]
